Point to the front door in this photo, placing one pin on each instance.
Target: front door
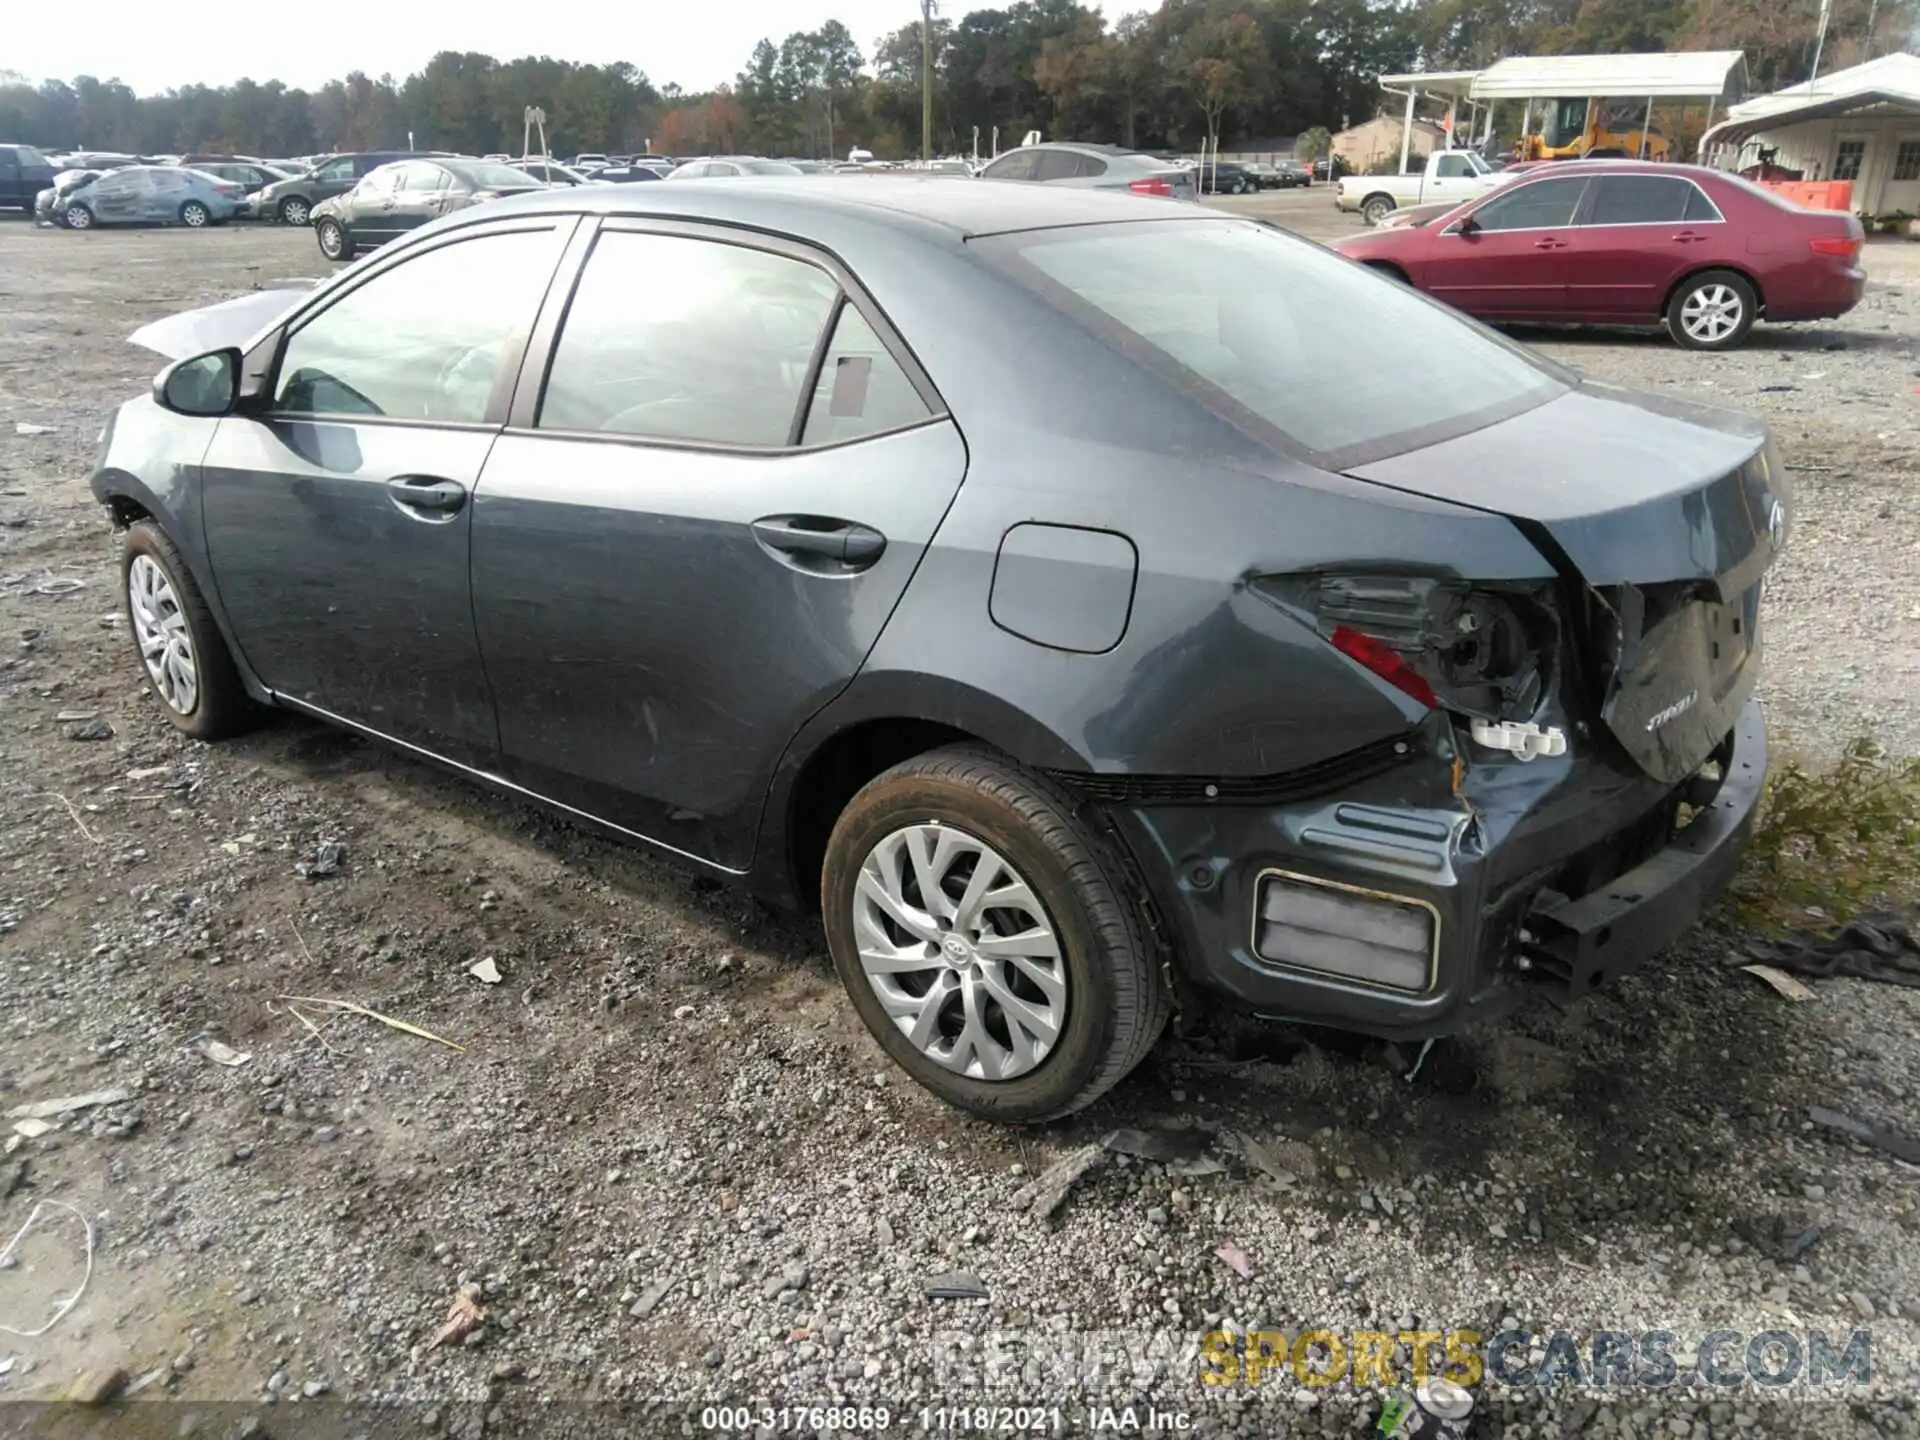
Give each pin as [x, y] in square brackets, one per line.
[370, 206]
[688, 544]
[337, 509]
[120, 196]
[1511, 262]
[1902, 193]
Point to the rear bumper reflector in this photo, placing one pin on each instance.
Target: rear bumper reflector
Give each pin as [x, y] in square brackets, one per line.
[1366, 936]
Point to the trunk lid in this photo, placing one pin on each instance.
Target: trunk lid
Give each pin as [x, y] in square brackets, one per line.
[1667, 516]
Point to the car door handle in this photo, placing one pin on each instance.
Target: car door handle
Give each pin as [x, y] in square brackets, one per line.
[1687, 237]
[1550, 244]
[427, 492]
[814, 535]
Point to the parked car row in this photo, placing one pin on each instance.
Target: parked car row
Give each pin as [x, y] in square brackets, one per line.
[139, 195]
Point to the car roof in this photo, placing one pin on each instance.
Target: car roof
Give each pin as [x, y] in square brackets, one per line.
[1616, 167]
[904, 200]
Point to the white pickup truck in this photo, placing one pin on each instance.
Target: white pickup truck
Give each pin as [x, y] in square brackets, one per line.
[1452, 175]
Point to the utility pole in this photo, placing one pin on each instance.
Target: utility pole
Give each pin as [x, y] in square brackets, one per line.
[926, 80]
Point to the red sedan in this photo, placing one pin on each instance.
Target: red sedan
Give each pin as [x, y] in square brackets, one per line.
[1627, 243]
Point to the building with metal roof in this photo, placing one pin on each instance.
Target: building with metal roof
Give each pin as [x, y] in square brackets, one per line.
[1860, 125]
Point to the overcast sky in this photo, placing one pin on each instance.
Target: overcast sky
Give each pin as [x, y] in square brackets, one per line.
[156, 47]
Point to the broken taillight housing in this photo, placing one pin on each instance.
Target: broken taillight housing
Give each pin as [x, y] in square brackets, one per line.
[1479, 650]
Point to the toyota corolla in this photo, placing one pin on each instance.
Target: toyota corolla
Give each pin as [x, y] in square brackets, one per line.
[1092, 606]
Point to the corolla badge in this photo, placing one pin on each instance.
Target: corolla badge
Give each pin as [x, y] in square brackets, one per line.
[1777, 525]
[1673, 711]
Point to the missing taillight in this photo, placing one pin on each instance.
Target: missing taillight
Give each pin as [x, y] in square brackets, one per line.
[1478, 650]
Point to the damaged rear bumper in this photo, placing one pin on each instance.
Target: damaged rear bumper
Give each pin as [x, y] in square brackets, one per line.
[1439, 894]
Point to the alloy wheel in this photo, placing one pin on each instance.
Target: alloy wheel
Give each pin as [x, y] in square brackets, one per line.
[193, 214]
[160, 630]
[78, 217]
[333, 241]
[1711, 313]
[294, 212]
[960, 952]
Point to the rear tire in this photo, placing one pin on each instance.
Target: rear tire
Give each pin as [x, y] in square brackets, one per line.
[194, 215]
[164, 604]
[1713, 310]
[1101, 986]
[1376, 208]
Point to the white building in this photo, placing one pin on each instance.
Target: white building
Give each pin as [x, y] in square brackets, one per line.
[1861, 125]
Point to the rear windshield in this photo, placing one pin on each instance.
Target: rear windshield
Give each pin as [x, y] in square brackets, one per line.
[1288, 340]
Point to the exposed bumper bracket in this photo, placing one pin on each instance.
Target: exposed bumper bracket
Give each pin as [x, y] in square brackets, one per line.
[1578, 944]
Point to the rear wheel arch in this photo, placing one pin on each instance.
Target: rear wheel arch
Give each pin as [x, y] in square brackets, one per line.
[1389, 269]
[1753, 283]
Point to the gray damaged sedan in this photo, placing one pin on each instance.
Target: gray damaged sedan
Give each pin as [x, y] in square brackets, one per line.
[1093, 606]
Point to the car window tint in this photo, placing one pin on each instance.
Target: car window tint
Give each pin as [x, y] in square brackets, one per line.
[671, 338]
[1017, 166]
[1699, 207]
[1280, 335]
[337, 170]
[862, 390]
[1452, 167]
[1638, 200]
[1057, 165]
[1541, 205]
[424, 340]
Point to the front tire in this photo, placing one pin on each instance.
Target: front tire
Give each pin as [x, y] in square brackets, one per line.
[294, 211]
[333, 239]
[984, 938]
[77, 217]
[184, 655]
[1713, 310]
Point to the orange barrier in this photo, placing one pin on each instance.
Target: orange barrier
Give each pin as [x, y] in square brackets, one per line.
[1814, 194]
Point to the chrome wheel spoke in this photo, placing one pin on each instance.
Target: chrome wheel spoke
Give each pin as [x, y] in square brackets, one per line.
[960, 952]
[160, 631]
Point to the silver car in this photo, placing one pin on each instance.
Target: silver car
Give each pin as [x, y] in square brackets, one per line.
[1092, 167]
[146, 195]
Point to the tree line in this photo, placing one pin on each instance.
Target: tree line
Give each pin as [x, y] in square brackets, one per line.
[1233, 71]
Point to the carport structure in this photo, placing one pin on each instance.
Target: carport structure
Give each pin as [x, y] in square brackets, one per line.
[1715, 77]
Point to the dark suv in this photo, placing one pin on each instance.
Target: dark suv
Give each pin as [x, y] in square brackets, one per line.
[291, 201]
[24, 173]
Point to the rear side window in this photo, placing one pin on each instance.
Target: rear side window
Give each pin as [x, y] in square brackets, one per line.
[1288, 340]
[719, 353]
[1638, 200]
[1699, 207]
[1538, 205]
[1061, 165]
[861, 390]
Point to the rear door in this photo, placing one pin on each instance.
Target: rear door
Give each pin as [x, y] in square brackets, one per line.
[420, 193]
[337, 511]
[1636, 235]
[696, 525]
[121, 197]
[1510, 263]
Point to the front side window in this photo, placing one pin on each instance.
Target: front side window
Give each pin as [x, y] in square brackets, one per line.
[1452, 167]
[1541, 205]
[425, 340]
[1638, 200]
[1288, 340]
[718, 356]
[1017, 166]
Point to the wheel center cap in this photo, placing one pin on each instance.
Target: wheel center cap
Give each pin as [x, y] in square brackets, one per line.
[958, 953]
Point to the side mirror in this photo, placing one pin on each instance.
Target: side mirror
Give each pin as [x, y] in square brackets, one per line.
[206, 385]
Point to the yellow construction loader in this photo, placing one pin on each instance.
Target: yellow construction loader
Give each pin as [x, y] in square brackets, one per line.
[1576, 127]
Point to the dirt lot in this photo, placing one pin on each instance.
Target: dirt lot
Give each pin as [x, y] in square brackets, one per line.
[671, 1167]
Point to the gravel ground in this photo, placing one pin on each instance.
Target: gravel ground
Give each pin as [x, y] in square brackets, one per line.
[668, 1164]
